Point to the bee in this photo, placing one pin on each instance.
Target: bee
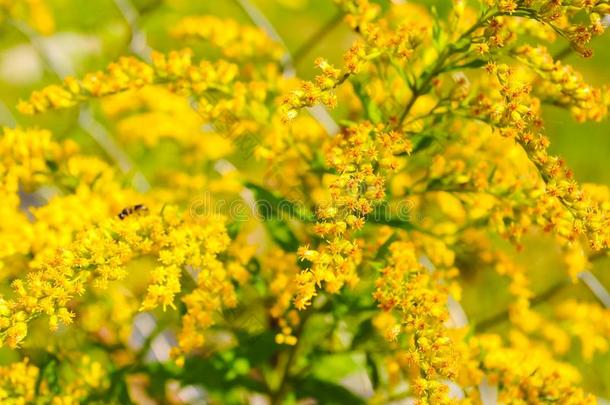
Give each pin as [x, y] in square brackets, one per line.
[130, 210]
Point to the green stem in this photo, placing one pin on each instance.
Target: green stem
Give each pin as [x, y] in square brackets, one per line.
[409, 105]
[439, 66]
[562, 54]
[503, 316]
[541, 298]
[277, 395]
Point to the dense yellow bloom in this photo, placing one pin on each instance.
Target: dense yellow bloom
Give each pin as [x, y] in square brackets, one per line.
[281, 250]
[18, 383]
[149, 115]
[420, 303]
[564, 86]
[23, 383]
[234, 41]
[130, 73]
[357, 188]
[564, 206]
[530, 376]
[99, 255]
[589, 323]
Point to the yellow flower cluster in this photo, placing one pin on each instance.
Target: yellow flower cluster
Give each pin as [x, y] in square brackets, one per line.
[466, 154]
[589, 323]
[419, 301]
[235, 41]
[378, 40]
[564, 86]
[215, 289]
[18, 382]
[130, 73]
[399, 42]
[87, 191]
[280, 271]
[358, 187]
[576, 21]
[24, 383]
[565, 206]
[360, 13]
[334, 265]
[99, 255]
[64, 267]
[528, 375]
[148, 116]
[234, 104]
[320, 92]
[23, 164]
[37, 14]
[25, 158]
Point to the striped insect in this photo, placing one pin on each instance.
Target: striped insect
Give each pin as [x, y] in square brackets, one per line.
[131, 210]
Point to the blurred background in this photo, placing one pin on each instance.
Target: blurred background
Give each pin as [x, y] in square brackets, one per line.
[85, 36]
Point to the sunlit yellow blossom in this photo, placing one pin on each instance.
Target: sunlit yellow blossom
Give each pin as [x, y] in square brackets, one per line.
[18, 382]
[235, 41]
[213, 225]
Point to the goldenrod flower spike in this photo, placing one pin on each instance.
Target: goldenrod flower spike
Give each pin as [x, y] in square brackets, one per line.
[128, 73]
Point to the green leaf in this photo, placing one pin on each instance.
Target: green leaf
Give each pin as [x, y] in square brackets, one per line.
[117, 393]
[274, 212]
[121, 391]
[259, 348]
[474, 64]
[435, 185]
[281, 234]
[219, 374]
[424, 143]
[318, 164]
[436, 28]
[50, 374]
[346, 123]
[401, 72]
[233, 228]
[372, 368]
[336, 366]
[325, 392]
[366, 333]
[380, 216]
[273, 205]
[373, 113]
[461, 45]
[52, 165]
[383, 250]
[492, 174]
